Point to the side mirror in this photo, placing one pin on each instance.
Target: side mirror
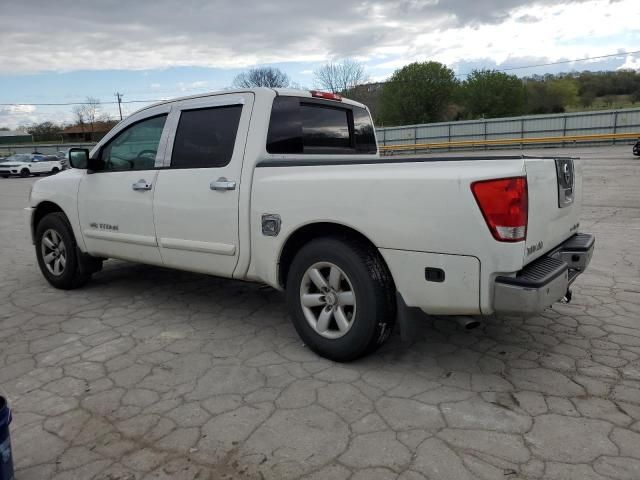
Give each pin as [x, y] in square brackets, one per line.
[79, 158]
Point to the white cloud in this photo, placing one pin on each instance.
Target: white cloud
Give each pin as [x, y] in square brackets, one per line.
[15, 115]
[197, 85]
[631, 62]
[16, 109]
[153, 34]
[551, 33]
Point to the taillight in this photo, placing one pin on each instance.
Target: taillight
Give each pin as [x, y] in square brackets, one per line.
[504, 205]
[326, 95]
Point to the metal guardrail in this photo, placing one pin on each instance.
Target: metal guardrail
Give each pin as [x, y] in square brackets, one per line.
[512, 141]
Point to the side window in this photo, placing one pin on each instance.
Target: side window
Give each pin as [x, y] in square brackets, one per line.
[285, 126]
[205, 137]
[299, 126]
[364, 132]
[135, 148]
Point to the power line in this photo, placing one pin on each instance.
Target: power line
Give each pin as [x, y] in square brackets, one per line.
[508, 69]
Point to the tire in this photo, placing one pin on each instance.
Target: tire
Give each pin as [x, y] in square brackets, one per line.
[5, 176]
[54, 170]
[74, 269]
[24, 173]
[366, 323]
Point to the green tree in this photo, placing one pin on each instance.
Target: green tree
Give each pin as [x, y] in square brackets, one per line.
[587, 98]
[417, 93]
[552, 95]
[492, 94]
[45, 131]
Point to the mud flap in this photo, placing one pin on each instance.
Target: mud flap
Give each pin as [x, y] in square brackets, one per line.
[407, 318]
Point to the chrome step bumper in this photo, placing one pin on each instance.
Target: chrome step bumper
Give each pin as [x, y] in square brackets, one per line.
[545, 280]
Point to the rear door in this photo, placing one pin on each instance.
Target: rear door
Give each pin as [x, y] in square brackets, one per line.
[39, 164]
[197, 194]
[555, 198]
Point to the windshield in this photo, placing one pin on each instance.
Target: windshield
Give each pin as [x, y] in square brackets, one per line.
[18, 157]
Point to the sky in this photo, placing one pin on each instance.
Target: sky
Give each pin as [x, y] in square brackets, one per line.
[64, 51]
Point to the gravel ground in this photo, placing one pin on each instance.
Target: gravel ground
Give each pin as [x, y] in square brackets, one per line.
[151, 373]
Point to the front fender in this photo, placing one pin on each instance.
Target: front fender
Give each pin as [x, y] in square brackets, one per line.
[61, 191]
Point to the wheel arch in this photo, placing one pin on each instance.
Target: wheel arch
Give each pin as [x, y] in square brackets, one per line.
[42, 209]
[311, 231]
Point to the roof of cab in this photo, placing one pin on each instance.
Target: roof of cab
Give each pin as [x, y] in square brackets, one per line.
[289, 92]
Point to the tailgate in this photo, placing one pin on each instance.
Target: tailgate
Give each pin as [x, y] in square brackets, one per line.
[555, 199]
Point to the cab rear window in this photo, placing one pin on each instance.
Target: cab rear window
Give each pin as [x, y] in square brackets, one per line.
[301, 125]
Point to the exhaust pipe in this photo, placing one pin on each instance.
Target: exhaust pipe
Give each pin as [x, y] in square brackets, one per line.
[468, 323]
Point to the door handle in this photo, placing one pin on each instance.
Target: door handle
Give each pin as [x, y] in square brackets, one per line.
[222, 184]
[141, 185]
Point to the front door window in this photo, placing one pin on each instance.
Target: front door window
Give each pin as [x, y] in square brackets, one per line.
[135, 148]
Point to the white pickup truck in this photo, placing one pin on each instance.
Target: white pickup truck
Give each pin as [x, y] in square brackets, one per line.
[286, 187]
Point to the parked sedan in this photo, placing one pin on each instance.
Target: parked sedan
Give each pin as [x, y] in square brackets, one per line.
[25, 165]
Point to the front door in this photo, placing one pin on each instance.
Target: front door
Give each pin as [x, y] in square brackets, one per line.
[196, 199]
[40, 165]
[116, 199]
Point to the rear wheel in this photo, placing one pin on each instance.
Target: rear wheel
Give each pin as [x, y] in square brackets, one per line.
[25, 173]
[58, 256]
[341, 298]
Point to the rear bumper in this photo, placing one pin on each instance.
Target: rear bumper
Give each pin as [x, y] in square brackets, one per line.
[544, 281]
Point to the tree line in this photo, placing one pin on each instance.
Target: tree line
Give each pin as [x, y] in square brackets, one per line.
[430, 92]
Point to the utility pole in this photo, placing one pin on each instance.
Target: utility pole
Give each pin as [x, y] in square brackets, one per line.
[119, 97]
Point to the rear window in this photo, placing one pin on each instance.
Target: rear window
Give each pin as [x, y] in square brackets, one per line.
[301, 126]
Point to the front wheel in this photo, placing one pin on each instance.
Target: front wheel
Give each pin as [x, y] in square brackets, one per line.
[24, 173]
[54, 170]
[341, 298]
[57, 253]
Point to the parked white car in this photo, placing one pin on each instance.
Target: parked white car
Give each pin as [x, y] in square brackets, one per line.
[25, 165]
[286, 188]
